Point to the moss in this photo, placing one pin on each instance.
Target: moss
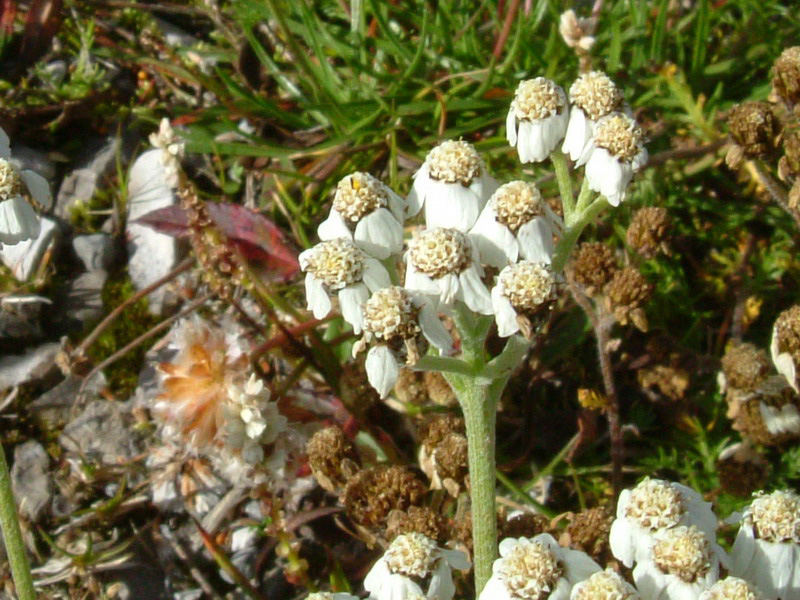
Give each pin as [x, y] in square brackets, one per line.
[135, 320]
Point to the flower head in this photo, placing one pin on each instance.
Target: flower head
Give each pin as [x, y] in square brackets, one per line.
[682, 564]
[411, 561]
[398, 322]
[444, 263]
[172, 150]
[521, 290]
[767, 543]
[18, 220]
[537, 119]
[368, 212]
[604, 585]
[331, 596]
[785, 346]
[786, 75]
[617, 153]
[452, 185]
[536, 569]
[576, 31]
[655, 505]
[339, 266]
[732, 588]
[593, 96]
[515, 222]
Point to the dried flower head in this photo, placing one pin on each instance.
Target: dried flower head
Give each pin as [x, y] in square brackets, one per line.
[332, 457]
[626, 293]
[417, 519]
[589, 530]
[518, 523]
[786, 75]
[768, 414]
[789, 164]
[753, 128]
[785, 346]
[649, 231]
[593, 266]
[373, 493]
[741, 470]
[576, 32]
[745, 366]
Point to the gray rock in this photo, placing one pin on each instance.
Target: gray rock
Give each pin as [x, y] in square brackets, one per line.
[24, 258]
[52, 409]
[28, 158]
[152, 254]
[103, 433]
[96, 163]
[35, 364]
[96, 250]
[30, 480]
[20, 316]
[84, 301]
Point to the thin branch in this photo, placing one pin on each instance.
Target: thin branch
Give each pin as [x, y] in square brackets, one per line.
[504, 33]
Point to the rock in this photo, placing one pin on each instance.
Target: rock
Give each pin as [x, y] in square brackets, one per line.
[27, 158]
[152, 255]
[24, 258]
[95, 251]
[103, 433]
[96, 163]
[30, 480]
[84, 301]
[52, 409]
[36, 363]
[20, 316]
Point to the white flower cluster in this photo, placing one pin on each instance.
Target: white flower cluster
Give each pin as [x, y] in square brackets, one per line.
[18, 220]
[594, 127]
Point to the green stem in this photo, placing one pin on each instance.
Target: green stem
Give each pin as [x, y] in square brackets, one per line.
[479, 404]
[20, 568]
[585, 197]
[573, 231]
[564, 183]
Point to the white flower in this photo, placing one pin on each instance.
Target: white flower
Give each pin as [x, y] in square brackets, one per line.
[331, 596]
[368, 212]
[766, 549]
[732, 588]
[574, 30]
[251, 420]
[536, 569]
[452, 185]
[339, 266]
[399, 321]
[604, 585]
[413, 558]
[172, 148]
[617, 153]
[515, 222]
[520, 290]
[651, 506]
[537, 120]
[593, 95]
[683, 564]
[18, 220]
[444, 263]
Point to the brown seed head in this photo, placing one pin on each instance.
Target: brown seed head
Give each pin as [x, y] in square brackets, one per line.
[373, 493]
[588, 531]
[451, 458]
[745, 366]
[789, 165]
[649, 231]
[787, 332]
[332, 458]
[526, 524]
[594, 266]
[417, 519]
[753, 127]
[627, 292]
[742, 470]
[786, 75]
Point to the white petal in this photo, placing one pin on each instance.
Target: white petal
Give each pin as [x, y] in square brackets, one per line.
[419, 282]
[496, 244]
[504, 314]
[38, 187]
[561, 591]
[351, 302]
[382, 370]
[375, 275]
[780, 557]
[578, 133]
[416, 197]
[397, 204]
[783, 420]
[434, 330]
[451, 205]
[506, 546]
[441, 586]
[511, 128]
[620, 541]
[5, 145]
[377, 576]
[578, 565]
[524, 138]
[606, 175]
[783, 362]
[379, 234]
[318, 300]
[334, 227]
[742, 553]
[535, 240]
[18, 221]
[495, 590]
[484, 186]
[456, 559]
[448, 286]
[473, 292]
[304, 257]
[648, 579]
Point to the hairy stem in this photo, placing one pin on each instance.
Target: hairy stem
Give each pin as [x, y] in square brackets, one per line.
[20, 568]
[564, 183]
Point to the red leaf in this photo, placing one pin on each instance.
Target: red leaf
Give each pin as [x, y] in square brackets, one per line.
[257, 238]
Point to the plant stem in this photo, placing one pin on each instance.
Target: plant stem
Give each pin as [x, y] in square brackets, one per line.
[564, 183]
[572, 231]
[20, 568]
